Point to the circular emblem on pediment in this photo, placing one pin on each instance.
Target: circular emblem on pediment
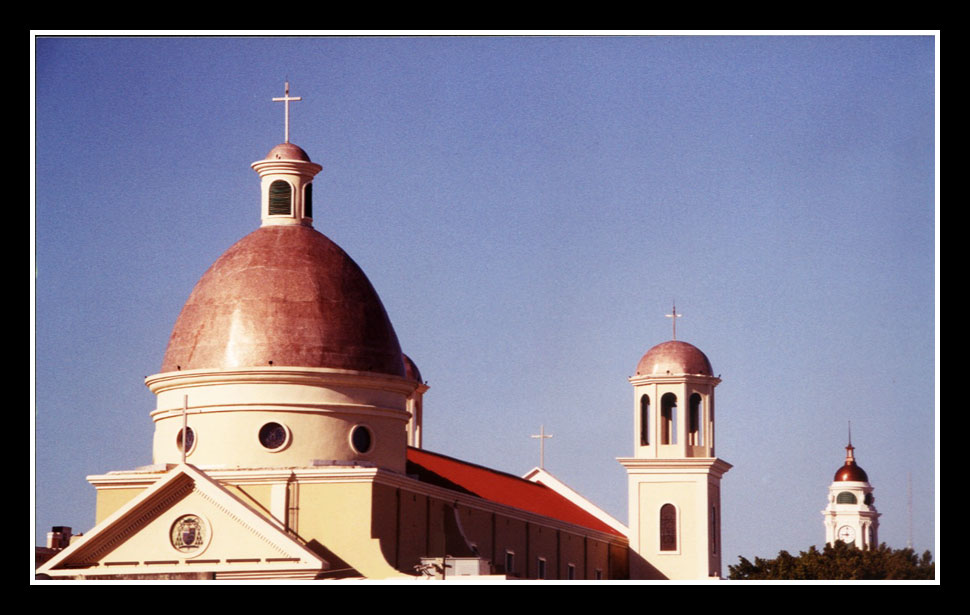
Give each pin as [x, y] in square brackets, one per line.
[189, 535]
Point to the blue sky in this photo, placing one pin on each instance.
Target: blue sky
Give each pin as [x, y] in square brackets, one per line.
[528, 208]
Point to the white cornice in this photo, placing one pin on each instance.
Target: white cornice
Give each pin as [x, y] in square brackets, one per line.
[286, 166]
[842, 485]
[683, 465]
[309, 376]
[674, 379]
[327, 408]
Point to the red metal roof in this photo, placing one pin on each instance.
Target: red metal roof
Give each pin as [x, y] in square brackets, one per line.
[499, 487]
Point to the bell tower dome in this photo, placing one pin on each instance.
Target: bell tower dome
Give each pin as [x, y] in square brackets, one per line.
[674, 476]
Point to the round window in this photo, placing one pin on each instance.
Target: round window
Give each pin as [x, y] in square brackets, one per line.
[189, 440]
[361, 439]
[273, 436]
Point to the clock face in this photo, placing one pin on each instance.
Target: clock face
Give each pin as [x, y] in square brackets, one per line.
[846, 534]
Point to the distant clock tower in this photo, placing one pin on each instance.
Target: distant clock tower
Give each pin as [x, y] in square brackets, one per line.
[851, 515]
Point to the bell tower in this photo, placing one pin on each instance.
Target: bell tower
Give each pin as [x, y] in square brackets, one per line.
[674, 476]
[851, 515]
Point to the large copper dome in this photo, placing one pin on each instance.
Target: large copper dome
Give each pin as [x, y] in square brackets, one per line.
[674, 357]
[851, 472]
[284, 296]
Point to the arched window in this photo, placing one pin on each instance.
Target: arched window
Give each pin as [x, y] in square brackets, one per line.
[695, 434]
[846, 497]
[668, 419]
[644, 420]
[668, 528]
[279, 198]
[308, 201]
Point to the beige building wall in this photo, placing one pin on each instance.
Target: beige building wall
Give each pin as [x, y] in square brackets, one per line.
[318, 407]
[110, 500]
[376, 524]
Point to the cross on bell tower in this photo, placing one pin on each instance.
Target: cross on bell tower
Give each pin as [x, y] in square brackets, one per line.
[674, 316]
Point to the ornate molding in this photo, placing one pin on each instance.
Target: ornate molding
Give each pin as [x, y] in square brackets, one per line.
[308, 376]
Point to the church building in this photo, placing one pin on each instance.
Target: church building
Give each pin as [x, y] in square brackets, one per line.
[288, 444]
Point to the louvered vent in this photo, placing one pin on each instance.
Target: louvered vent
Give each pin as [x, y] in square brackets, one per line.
[279, 198]
[846, 497]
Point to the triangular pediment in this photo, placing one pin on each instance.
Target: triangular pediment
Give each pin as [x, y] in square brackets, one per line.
[186, 525]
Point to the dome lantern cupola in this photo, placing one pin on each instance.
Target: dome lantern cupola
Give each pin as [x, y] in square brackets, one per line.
[287, 175]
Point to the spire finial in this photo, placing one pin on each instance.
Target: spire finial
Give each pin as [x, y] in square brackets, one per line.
[286, 109]
[849, 456]
[674, 316]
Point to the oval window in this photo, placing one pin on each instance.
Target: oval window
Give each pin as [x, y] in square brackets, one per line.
[273, 436]
[361, 439]
[189, 440]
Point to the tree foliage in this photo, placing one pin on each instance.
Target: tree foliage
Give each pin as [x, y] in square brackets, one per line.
[838, 562]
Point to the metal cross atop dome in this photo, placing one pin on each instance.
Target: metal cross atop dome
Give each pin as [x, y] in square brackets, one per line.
[286, 109]
[542, 435]
[674, 316]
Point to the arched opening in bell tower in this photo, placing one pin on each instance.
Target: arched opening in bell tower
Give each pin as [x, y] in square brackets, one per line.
[645, 420]
[695, 430]
[668, 419]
